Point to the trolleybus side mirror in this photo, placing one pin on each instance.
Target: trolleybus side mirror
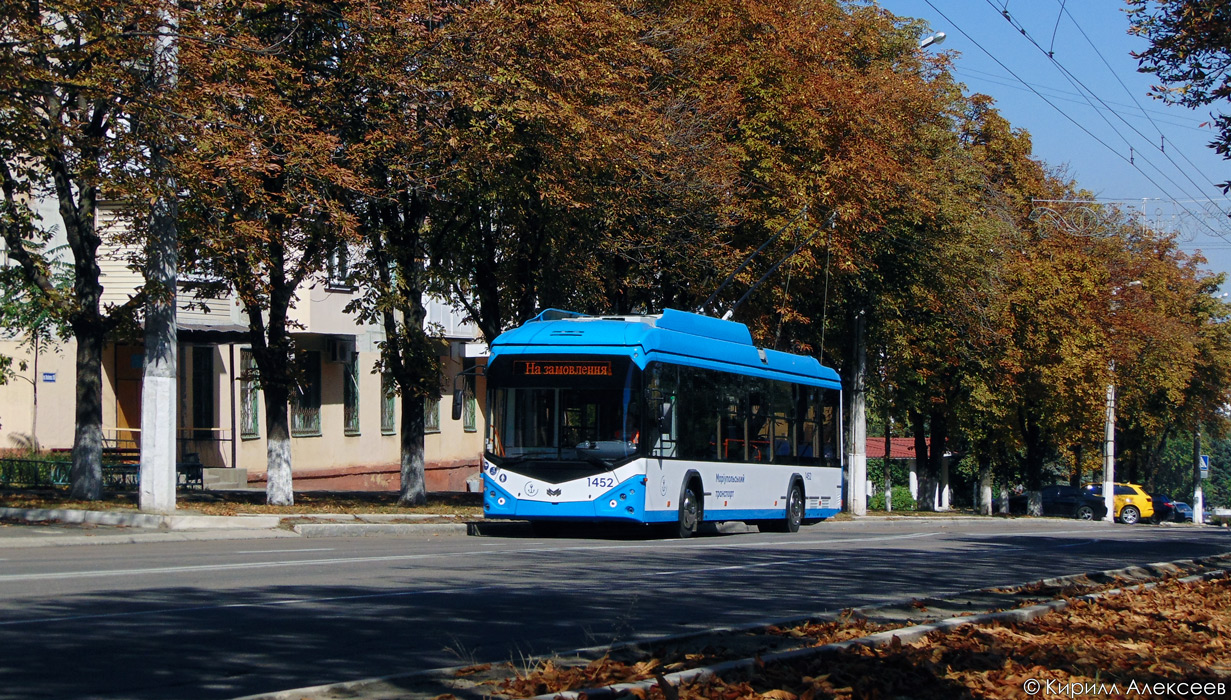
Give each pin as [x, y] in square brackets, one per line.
[459, 397]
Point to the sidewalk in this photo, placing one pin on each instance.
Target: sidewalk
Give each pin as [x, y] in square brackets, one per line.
[25, 527]
[60, 527]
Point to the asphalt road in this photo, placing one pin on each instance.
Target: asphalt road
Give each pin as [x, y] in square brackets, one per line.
[217, 619]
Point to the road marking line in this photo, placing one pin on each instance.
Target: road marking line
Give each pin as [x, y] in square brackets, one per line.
[228, 606]
[284, 551]
[651, 546]
[350, 561]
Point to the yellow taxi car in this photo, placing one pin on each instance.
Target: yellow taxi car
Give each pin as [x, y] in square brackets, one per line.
[1131, 501]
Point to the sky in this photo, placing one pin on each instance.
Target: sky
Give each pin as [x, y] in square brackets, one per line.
[1088, 109]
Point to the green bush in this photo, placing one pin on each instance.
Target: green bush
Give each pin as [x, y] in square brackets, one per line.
[901, 498]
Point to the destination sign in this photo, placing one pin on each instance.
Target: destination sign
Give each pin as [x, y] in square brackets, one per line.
[531, 368]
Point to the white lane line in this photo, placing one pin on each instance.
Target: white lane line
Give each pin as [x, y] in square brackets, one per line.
[791, 562]
[284, 551]
[232, 606]
[207, 567]
[706, 569]
[351, 561]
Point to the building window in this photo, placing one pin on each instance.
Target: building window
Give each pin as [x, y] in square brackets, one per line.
[388, 406]
[306, 398]
[350, 395]
[249, 390]
[431, 414]
[339, 269]
[203, 417]
[469, 405]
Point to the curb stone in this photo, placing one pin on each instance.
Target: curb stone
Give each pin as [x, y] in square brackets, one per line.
[369, 529]
[144, 520]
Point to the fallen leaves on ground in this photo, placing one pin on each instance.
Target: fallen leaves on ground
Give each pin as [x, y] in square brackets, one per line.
[1175, 632]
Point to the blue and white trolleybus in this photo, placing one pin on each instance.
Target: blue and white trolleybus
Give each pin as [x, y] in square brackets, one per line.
[674, 418]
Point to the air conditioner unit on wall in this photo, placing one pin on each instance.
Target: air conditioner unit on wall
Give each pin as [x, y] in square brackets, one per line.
[342, 350]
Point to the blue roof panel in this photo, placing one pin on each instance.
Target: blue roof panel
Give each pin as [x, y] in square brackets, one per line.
[675, 336]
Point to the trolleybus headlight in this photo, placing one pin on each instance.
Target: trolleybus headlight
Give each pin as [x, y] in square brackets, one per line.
[613, 503]
[500, 500]
[624, 497]
[629, 509]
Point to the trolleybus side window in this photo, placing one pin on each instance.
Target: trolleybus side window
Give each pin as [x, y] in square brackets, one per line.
[718, 416]
[782, 416]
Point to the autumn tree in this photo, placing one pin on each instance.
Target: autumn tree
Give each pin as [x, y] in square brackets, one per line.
[72, 75]
[263, 209]
[547, 104]
[1172, 354]
[1190, 52]
[389, 136]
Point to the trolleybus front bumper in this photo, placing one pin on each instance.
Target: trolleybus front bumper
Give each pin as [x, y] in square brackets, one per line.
[625, 502]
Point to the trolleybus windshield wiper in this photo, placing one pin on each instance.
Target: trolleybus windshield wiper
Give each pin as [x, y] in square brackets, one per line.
[592, 459]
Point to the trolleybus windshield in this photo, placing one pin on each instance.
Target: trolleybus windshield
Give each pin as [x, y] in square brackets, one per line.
[552, 409]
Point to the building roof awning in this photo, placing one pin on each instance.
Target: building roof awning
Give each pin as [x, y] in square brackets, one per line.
[212, 333]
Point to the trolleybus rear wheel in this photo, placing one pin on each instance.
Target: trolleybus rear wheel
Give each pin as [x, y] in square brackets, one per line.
[690, 513]
[793, 517]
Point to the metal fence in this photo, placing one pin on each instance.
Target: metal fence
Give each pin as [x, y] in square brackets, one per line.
[34, 472]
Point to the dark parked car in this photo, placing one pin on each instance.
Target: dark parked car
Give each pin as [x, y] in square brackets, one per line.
[1183, 512]
[1064, 501]
[1164, 507]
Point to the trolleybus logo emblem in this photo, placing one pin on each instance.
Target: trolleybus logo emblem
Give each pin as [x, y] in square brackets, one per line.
[531, 489]
[553, 492]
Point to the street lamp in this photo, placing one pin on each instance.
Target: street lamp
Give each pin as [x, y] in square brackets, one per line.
[1109, 436]
[934, 40]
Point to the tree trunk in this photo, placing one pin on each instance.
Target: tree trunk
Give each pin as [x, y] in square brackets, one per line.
[278, 485]
[926, 498]
[937, 466]
[986, 506]
[87, 469]
[413, 484]
[888, 449]
[1079, 452]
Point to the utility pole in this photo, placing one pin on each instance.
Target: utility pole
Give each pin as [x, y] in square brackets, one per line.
[1198, 496]
[159, 382]
[1109, 450]
[857, 453]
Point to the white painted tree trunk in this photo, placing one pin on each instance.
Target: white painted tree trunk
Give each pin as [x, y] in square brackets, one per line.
[914, 478]
[157, 476]
[986, 506]
[1034, 503]
[278, 488]
[943, 502]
